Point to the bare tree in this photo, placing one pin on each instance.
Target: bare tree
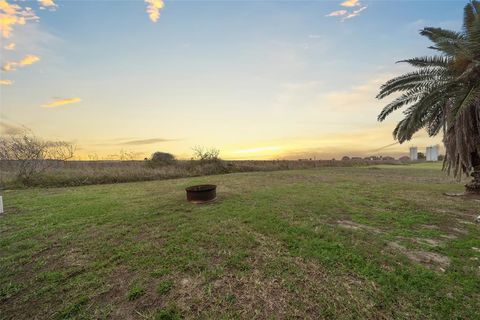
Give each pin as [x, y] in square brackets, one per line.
[205, 154]
[58, 150]
[30, 155]
[93, 157]
[126, 155]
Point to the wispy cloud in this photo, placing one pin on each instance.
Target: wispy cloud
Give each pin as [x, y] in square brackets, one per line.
[259, 150]
[10, 46]
[347, 14]
[358, 97]
[27, 60]
[145, 141]
[60, 102]
[153, 9]
[5, 82]
[295, 94]
[10, 128]
[354, 13]
[350, 3]
[337, 13]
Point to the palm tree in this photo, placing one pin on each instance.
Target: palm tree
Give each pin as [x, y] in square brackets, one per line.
[443, 95]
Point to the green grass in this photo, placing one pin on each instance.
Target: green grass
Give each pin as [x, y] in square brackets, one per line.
[170, 313]
[164, 287]
[350, 243]
[135, 292]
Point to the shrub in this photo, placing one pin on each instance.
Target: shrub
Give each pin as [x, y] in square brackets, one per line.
[160, 159]
[214, 167]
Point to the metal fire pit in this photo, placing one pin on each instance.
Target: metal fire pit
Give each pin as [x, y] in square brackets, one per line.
[201, 193]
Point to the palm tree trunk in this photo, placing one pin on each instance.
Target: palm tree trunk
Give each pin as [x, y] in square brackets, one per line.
[474, 185]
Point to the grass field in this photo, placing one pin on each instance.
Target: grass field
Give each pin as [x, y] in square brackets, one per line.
[79, 173]
[349, 243]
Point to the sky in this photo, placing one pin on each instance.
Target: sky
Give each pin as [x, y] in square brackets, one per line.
[255, 79]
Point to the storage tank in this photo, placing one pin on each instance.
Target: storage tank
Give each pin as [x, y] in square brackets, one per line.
[413, 153]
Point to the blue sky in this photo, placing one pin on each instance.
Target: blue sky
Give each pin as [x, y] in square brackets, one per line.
[256, 79]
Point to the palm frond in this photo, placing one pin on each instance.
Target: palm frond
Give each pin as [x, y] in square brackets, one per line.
[403, 100]
[469, 16]
[466, 99]
[417, 114]
[412, 80]
[448, 42]
[439, 34]
[432, 61]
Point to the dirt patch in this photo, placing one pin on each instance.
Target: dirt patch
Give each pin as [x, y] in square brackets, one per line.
[14, 211]
[75, 258]
[457, 228]
[449, 236]
[249, 294]
[430, 226]
[459, 231]
[356, 226]
[114, 296]
[464, 195]
[432, 260]
[427, 241]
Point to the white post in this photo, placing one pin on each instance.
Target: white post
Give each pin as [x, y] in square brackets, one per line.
[1, 204]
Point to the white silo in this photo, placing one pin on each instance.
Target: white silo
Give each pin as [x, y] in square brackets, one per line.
[413, 153]
[432, 153]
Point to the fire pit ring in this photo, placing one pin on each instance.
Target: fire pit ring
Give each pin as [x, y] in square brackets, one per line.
[201, 193]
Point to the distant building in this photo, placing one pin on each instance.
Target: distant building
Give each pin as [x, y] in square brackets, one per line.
[345, 158]
[404, 158]
[432, 153]
[413, 153]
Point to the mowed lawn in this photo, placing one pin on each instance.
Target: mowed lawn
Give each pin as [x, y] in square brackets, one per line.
[348, 243]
